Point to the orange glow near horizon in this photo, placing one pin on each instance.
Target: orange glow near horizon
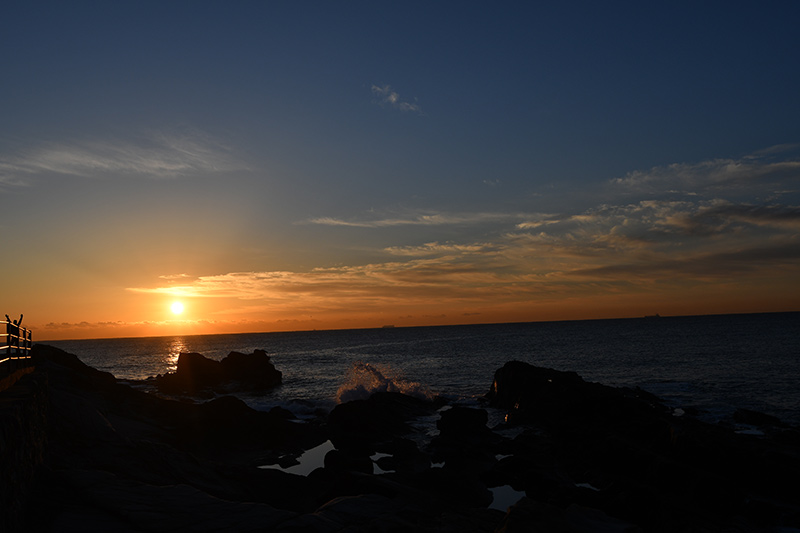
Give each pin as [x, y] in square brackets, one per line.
[630, 260]
[219, 316]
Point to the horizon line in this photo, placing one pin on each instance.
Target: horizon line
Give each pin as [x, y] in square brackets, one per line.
[393, 326]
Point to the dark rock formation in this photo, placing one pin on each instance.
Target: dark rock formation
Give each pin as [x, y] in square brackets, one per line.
[114, 452]
[587, 458]
[236, 372]
[755, 418]
[23, 445]
[370, 425]
[620, 451]
[463, 422]
[533, 394]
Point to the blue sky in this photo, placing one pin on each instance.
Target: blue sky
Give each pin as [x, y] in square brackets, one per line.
[290, 165]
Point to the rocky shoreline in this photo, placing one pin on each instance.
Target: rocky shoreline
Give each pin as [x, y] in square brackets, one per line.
[586, 456]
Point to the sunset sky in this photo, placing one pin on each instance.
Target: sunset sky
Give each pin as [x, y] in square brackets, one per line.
[315, 165]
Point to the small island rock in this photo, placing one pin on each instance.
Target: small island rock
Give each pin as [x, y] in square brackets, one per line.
[237, 372]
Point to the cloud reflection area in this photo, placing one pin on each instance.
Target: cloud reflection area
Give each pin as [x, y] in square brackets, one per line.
[314, 458]
[504, 497]
[308, 461]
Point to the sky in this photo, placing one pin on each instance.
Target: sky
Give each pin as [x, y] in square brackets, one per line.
[299, 165]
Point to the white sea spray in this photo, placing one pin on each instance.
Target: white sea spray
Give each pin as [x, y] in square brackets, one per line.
[365, 379]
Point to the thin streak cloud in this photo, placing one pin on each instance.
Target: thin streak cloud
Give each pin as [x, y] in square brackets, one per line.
[156, 156]
[435, 248]
[711, 267]
[717, 176]
[435, 219]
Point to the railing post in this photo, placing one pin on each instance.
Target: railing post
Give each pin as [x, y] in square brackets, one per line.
[28, 346]
[16, 350]
[8, 346]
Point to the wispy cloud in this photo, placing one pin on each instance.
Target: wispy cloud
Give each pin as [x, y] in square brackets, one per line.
[679, 223]
[173, 277]
[435, 248]
[419, 219]
[541, 219]
[774, 216]
[718, 267]
[760, 172]
[154, 156]
[326, 288]
[387, 96]
[661, 242]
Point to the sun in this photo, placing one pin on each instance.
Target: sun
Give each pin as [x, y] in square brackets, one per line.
[177, 308]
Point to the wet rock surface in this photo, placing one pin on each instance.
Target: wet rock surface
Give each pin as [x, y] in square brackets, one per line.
[584, 457]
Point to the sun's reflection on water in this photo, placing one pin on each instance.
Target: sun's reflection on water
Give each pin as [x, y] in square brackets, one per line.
[176, 347]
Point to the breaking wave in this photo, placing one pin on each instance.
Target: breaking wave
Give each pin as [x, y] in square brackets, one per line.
[364, 379]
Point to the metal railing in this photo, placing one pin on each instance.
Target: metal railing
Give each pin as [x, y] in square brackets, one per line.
[15, 350]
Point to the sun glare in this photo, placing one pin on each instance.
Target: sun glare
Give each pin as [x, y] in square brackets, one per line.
[177, 308]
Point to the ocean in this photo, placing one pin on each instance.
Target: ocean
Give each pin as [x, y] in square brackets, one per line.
[714, 364]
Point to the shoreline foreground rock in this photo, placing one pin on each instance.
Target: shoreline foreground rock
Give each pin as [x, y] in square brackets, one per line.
[584, 457]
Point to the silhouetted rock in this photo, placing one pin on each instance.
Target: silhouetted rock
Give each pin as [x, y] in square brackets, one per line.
[236, 372]
[111, 448]
[622, 452]
[73, 368]
[531, 515]
[404, 456]
[337, 460]
[461, 421]
[587, 458]
[370, 424]
[519, 382]
[254, 371]
[535, 394]
[756, 418]
[465, 444]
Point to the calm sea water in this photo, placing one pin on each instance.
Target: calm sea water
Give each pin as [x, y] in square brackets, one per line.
[714, 363]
